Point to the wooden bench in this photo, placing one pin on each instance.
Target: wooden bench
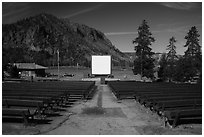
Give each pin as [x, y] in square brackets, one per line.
[37, 104]
[176, 115]
[144, 97]
[163, 105]
[149, 102]
[20, 113]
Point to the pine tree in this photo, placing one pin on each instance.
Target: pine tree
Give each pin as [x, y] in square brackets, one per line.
[171, 58]
[192, 43]
[193, 54]
[171, 55]
[143, 63]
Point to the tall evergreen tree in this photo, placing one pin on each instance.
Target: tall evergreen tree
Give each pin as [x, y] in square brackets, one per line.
[193, 54]
[192, 43]
[143, 63]
[171, 58]
[171, 55]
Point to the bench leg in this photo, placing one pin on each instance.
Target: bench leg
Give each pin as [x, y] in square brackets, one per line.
[25, 119]
[165, 121]
[175, 121]
[118, 96]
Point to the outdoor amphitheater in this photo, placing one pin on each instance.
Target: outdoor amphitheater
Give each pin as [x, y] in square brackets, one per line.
[101, 105]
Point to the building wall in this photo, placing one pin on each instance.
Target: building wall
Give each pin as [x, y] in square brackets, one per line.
[27, 73]
[34, 73]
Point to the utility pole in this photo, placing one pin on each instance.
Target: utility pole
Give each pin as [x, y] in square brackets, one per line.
[58, 62]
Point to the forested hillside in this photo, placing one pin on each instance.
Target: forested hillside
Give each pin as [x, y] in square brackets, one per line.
[37, 39]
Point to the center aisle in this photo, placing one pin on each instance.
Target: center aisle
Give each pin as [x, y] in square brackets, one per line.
[108, 98]
[101, 115]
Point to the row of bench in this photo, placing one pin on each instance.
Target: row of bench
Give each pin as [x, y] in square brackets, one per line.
[36, 100]
[171, 101]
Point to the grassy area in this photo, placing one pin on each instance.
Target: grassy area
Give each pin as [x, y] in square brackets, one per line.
[79, 73]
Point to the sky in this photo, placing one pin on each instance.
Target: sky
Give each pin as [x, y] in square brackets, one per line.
[119, 21]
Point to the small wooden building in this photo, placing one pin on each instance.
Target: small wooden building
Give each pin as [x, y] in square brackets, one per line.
[30, 69]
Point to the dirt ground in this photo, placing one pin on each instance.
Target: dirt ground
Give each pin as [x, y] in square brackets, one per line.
[103, 115]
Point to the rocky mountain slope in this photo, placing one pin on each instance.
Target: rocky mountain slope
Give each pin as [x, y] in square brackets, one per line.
[38, 39]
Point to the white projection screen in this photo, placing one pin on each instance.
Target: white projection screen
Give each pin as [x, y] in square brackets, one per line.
[101, 65]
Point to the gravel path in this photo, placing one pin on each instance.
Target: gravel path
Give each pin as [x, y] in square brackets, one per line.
[101, 115]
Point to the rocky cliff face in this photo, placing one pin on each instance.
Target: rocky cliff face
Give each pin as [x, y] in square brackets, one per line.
[39, 38]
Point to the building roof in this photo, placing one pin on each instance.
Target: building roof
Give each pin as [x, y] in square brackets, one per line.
[29, 66]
